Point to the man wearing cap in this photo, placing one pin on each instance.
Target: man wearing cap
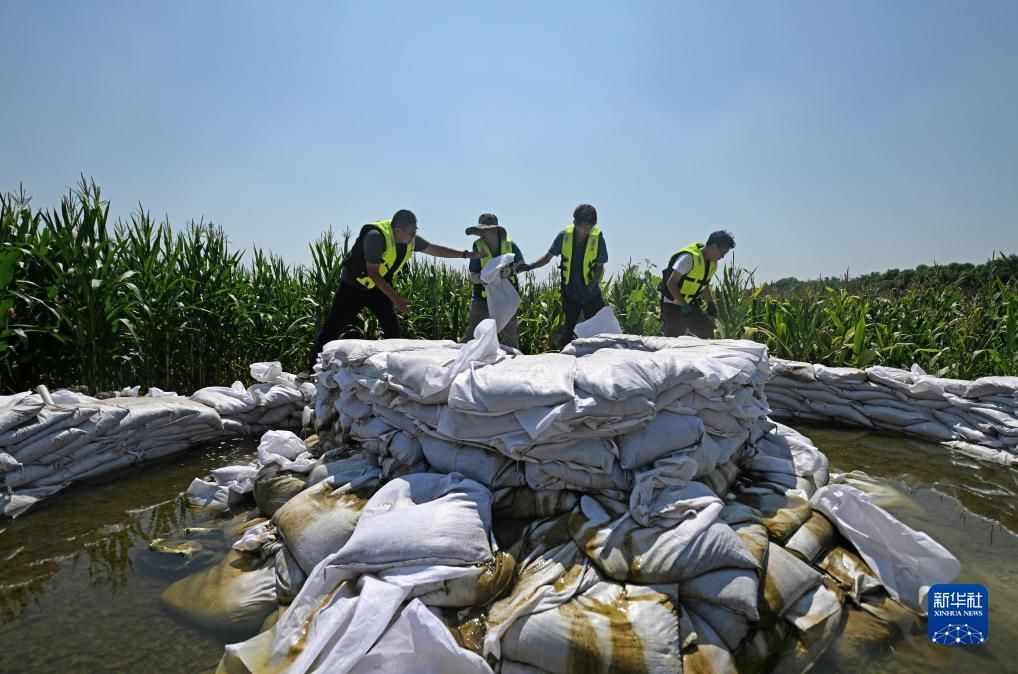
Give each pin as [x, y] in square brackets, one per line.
[584, 254]
[378, 254]
[685, 287]
[492, 241]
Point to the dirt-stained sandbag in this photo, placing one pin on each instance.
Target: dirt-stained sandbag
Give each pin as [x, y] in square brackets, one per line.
[236, 595]
[319, 521]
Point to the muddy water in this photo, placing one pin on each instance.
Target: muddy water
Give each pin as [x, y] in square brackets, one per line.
[79, 588]
[969, 508]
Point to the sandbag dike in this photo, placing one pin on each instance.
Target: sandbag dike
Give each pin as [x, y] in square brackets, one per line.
[623, 506]
[977, 418]
[47, 445]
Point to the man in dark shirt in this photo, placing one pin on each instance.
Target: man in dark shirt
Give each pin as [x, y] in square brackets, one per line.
[378, 254]
[584, 254]
[493, 241]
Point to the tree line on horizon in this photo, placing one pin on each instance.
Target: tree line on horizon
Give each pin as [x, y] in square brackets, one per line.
[1000, 266]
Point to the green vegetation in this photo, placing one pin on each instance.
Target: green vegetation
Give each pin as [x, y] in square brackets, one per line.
[108, 305]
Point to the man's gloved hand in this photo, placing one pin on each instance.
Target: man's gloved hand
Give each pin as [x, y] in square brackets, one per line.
[506, 271]
[712, 310]
[522, 267]
[686, 308]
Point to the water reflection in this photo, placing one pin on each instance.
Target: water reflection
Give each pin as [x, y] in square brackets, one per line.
[89, 549]
[965, 505]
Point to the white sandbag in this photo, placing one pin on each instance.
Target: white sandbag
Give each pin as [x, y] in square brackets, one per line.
[515, 383]
[734, 590]
[14, 411]
[892, 377]
[562, 475]
[552, 570]
[603, 322]
[687, 547]
[665, 434]
[405, 448]
[347, 469]
[599, 453]
[845, 413]
[781, 510]
[934, 430]
[230, 400]
[257, 537]
[449, 515]
[988, 386]
[908, 562]
[703, 648]
[17, 503]
[290, 577]
[812, 538]
[838, 375]
[486, 467]
[277, 445]
[608, 628]
[419, 642]
[331, 628]
[850, 572]
[731, 627]
[408, 372]
[319, 521]
[503, 298]
[785, 580]
[476, 589]
[236, 594]
[271, 372]
[481, 350]
[273, 395]
[204, 494]
[793, 369]
[894, 417]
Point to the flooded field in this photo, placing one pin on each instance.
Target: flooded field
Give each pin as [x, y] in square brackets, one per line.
[80, 588]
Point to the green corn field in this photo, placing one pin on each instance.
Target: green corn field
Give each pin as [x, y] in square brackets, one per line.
[106, 305]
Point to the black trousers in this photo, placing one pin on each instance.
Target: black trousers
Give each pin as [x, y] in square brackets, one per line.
[347, 303]
[676, 323]
[572, 310]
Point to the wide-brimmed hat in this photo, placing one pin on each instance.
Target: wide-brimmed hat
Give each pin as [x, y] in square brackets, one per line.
[486, 222]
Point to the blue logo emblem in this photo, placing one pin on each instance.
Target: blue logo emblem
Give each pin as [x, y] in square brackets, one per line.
[959, 614]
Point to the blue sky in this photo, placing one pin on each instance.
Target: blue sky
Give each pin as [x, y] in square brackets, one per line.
[827, 137]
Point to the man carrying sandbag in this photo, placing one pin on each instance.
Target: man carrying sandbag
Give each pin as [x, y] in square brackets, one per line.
[378, 254]
[492, 241]
[685, 287]
[584, 254]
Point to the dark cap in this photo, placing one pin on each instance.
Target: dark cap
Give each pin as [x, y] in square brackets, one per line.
[487, 221]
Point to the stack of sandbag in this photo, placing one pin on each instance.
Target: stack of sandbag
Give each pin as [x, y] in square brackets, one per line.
[624, 505]
[978, 418]
[678, 574]
[276, 402]
[46, 447]
[583, 419]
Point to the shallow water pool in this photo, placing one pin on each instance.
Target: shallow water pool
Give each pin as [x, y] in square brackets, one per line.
[80, 588]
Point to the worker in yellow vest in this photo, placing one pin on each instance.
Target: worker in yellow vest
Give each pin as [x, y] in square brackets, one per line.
[686, 300]
[583, 256]
[382, 248]
[492, 241]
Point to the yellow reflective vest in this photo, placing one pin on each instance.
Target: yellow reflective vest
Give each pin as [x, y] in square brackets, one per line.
[506, 248]
[389, 261]
[589, 255]
[696, 279]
